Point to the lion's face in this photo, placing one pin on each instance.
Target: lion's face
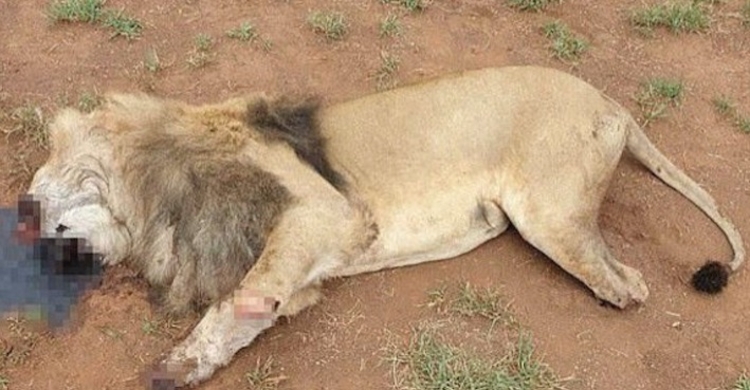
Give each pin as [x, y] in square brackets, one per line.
[71, 187]
[63, 203]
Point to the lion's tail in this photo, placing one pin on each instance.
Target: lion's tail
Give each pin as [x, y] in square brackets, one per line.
[712, 277]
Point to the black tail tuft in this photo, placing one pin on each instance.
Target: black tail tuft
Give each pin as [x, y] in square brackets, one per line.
[711, 278]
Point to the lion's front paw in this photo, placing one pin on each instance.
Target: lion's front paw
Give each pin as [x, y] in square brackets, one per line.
[183, 370]
[163, 376]
[162, 384]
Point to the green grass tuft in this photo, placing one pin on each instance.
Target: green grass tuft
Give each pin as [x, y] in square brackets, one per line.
[201, 54]
[122, 24]
[330, 24]
[88, 101]
[656, 95]
[745, 14]
[385, 75]
[531, 5]
[728, 109]
[203, 42]
[410, 5]
[149, 327]
[428, 363]
[390, 26]
[471, 302]
[724, 105]
[486, 303]
[742, 383]
[744, 124]
[85, 11]
[4, 382]
[245, 32]
[677, 17]
[671, 90]
[414, 5]
[93, 11]
[565, 45]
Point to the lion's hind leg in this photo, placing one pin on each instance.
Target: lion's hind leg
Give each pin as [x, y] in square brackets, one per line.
[575, 243]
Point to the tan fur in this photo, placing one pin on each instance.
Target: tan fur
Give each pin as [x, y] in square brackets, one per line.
[428, 172]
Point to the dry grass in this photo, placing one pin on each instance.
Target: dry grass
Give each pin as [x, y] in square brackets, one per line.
[29, 122]
[166, 326]
[437, 298]
[151, 61]
[19, 346]
[111, 332]
[263, 376]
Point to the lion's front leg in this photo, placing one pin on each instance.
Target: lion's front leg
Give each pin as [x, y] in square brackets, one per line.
[284, 281]
[211, 344]
[227, 327]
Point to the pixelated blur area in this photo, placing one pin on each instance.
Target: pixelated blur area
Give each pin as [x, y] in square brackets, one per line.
[42, 276]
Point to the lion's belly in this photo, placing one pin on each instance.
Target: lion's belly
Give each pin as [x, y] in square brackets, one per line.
[431, 225]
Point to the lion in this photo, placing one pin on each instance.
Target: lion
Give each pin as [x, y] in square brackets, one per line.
[243, 208]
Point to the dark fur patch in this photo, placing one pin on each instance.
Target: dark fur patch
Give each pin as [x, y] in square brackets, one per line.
[711, 278]
[295, 123]
[222, 209]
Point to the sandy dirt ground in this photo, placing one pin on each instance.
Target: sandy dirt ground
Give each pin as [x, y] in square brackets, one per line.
[678, 339]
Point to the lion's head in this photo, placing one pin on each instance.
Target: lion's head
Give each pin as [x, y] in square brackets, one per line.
[72, 187]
